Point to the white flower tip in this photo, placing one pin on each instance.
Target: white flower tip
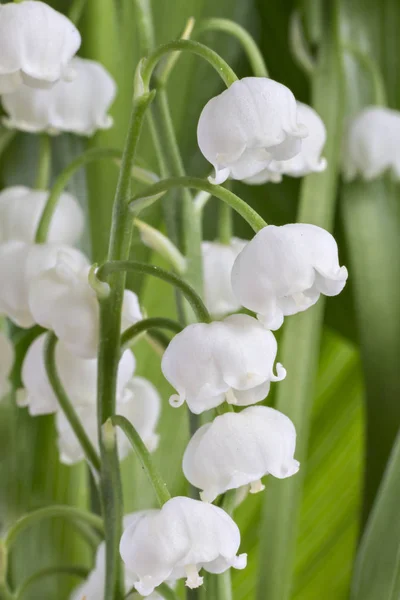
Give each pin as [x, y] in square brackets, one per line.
[22, 398]
[145, 587]
[289, 469]
[280, 373]
[221, 175]
[193, 580]
[107, 123]
[176, 400]
[301, 131]
[321, 165]
[208, 496]
[230, 397]
[240, 562]
[256, 487]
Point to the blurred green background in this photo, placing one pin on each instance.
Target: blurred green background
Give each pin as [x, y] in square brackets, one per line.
[331, 511]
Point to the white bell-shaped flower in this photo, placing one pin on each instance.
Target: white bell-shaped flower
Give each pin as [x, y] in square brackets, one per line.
[218, 261]
[251, 123]
[240, 448]
[37, 44]
[22, 207]
[78, 107]
[371, 144]
[308, 160]
[62, 299]
[93, 587]
[180, 539]
[77, 375]
[20, 264]
[139, 402]
[232, 360]
[284, 270]
[6, 363]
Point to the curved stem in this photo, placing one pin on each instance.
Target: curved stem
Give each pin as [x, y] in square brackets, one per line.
[121, 266]
[215, 60]
[109, 348]
[70, 513]
[144, 456]
[65, 403]
[61, 182]
[372, 68]
[248, 43]
[155, 191]
[81, 572]
[130, 334]
[43, 169]
[298, 44]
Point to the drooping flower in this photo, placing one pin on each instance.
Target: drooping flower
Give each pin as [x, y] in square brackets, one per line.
[6, 363]
[78, 377]
[251, 123]
[138, 401]
[61, 299]
[180, 539]
[78, 107]
[37, 44]
[22, 207]
[371, 144]
[20, 264]
[218, 261]
[284, 270]
[233, 359]
[308, 160]
[240, 448]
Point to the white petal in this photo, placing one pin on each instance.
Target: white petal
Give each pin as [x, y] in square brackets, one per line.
[36, 45]
[79, 106]
[6, 363]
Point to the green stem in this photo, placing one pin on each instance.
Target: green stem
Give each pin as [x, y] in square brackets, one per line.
[61, 182]
[255, 221]
[145, 27]
[225, 224]
[70, 513]
[138, 328]
[76, 11]
[298, 44]
[109, 348]
[370, 66]
[121, 266]
[76, 571]
[144, 456]
[43, 169]
[65, 403]
[248, 43]
[215, 60]
[301, 335]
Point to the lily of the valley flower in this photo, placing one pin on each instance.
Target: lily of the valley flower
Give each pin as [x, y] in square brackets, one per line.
[284, 270]
[61, 299]
[79, 106]
[138, 401]
[6, 363]
[36, 45]
[93, 587]
[240, 448]
[218, 261]
[20, 264]
[371, 144]
[251, 123]
[228, 360]
[22, 207]
[78, 377]
[177, 541]
[308, 160]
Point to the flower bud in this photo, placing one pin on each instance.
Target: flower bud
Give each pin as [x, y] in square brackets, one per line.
[284, 270]
[78, 107]
[177, 541]
[22, 207]
[233, 359]
[78, 377]
[251, 123]
[218, 261]
[6, 363]
[371, 144]
[240, 448]
[308, 160]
